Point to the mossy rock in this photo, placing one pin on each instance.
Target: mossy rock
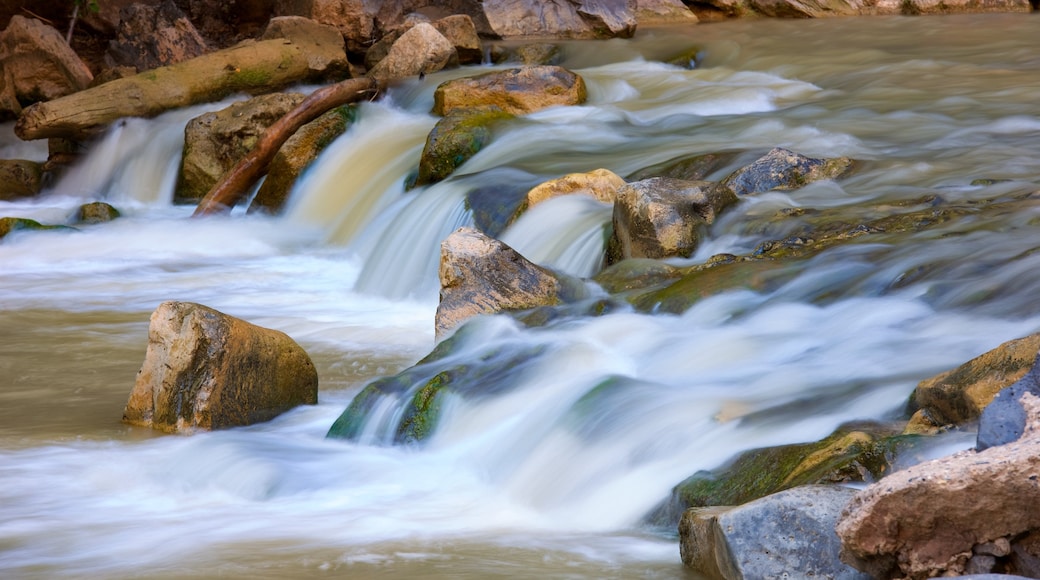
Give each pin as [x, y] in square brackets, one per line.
[16, 224]
[861, 452]
[454, 140]
[417, 393]
[95, 213]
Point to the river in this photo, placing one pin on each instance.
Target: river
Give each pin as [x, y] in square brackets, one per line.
[522, 483]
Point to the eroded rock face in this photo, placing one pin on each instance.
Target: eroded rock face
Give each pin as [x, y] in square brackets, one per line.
[420, 50]
[561, 18]
[355, 19]
[214, 142]
[207, 370]
[481, 275]
[152, 36]
[783, 170]
[601, 184]
[968, 512]
[517, 91]
[37, 64]
[661, 217]
[788, 534]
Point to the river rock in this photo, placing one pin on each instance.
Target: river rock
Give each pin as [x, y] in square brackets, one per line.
[37, 64]
[326, 52]
[958, 396]
[95, 212]
[561, 19]
[601, 184]
[296, 154]
[784, 170]
[1004, 419]
[214, 142]
[206, 370]
[154, 36]
[9, 225]
[657, 12]
[517, 90]
[853, 453]
[964, 513]
[481, 275]
[807, 8]
[785, 535]
[692, 168]
[420, 50]
[462, 33]
[662, 217]
[393, 12]
[355, 19]
[454, 139]
[496, 206]
[19, 178]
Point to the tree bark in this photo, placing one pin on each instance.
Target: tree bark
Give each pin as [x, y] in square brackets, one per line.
[237, 182]
[249, 67]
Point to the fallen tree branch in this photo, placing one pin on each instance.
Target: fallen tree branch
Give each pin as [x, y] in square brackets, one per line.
[238, 181]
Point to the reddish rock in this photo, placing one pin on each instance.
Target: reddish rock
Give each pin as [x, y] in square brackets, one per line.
[153, 36]
[421, 50]
[37, 63]
[355, 19]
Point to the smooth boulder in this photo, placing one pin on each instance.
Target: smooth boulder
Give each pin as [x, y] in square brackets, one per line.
[37, 64]
[662, 217]
[785, 535]
[517, 90]
[482, 275]
[421, 50]
[206, 370]
[561, 19]
[601, 184]
[658, 12]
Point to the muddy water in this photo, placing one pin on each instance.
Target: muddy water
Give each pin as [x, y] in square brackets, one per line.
[529, 483]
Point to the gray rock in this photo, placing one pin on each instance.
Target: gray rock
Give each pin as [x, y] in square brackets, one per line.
[784, 170]
[1004, 419]
[785, 535]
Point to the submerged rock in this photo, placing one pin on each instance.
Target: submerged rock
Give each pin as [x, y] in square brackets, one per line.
[481, 275]
[971, 512]
[9, 225]
[214, 142]
[662, 217]
[785, 535]
[95, 213]
[784, 170]
[601, 184]
[691, 168]
[206, 370]
[454, 139]
[853, 453]
[517, 90]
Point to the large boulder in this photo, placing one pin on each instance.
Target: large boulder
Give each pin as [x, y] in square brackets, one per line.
[326, 51]
[561, 19]
[971, 512]
[154, 36]
[782, 169]
[957, 397]
[807, 8]
[662, 217]
[355, 19]
[657, 12]
[454, 139]
[462, 33]
[296, 154]
[517, 90]
[601, 184]
[37, 63]
[19, 178]
[206, 370]
[420, 50]
[214, 142]
[481, 275]
[786, 535]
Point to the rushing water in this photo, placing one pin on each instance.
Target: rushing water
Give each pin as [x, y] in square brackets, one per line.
[539, 479]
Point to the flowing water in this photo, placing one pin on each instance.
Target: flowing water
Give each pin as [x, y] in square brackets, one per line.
[548, 475]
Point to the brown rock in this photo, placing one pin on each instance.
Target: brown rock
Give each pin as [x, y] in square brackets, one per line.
[462, 34]
[561, 19]
[421, 50]
[355, 19]
[95, 212]
[393, 12]
[914, 7]
[517, 91]
[214, 142]
[326, 42]
[207, 370]
[154, 36]
[806, 8]
[298, 152]
[601, 184]
[657, 12]
[957, 397]
[19, 178]
[39, 63]
[932, 519]
[662, 217]
[481, 275]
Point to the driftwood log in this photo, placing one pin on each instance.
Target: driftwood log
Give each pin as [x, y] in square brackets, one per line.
[250, 67]
[234, 185]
